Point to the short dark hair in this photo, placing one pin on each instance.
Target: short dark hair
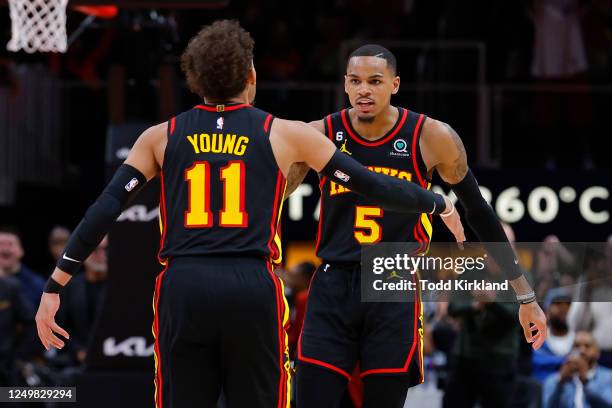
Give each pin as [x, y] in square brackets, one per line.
[375, 50]
[218, 59]
[11, 230]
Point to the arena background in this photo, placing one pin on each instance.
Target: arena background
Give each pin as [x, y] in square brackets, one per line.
[529, 95]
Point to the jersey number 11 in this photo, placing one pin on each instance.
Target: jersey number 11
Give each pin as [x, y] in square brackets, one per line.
[233, 213]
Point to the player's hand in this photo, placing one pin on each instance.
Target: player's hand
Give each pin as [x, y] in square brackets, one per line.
[45, 321]
[533, 319]
[453, 221]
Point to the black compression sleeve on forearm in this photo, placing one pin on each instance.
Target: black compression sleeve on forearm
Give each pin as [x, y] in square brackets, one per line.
[98, 219]
[388, 192]
[484, 222]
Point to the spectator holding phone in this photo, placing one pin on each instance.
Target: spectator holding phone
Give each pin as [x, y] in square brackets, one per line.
[581, 382]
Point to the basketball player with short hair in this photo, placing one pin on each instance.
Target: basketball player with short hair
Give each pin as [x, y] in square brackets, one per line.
[220, 312]
[385, 338]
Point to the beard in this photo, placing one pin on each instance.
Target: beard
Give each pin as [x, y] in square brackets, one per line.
[367, 119]
[559, 325]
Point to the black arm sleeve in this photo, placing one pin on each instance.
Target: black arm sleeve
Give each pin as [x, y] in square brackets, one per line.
[386, 191]
[480, 216]
[98, 219]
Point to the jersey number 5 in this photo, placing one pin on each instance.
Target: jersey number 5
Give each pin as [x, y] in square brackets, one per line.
[367, 230]
[233, 214]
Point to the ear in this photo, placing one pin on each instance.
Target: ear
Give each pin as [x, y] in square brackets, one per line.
[396, 84]
[346, 84]
[252, 77]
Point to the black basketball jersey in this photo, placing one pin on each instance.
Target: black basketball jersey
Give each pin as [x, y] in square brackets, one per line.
[348, 220]
[221, 189]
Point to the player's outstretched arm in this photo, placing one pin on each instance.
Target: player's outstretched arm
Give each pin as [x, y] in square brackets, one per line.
[294, 141]
[142, 164]
[298, 171]
[443, 149]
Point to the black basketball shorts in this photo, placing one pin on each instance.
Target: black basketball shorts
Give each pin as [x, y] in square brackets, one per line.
[340, 331]
[220, 325]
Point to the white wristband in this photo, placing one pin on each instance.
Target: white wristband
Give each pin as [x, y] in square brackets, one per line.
[448, 214]
[526, 298]
[434, 209]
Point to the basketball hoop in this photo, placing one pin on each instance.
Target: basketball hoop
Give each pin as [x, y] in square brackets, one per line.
[98, 11]
[40, 25]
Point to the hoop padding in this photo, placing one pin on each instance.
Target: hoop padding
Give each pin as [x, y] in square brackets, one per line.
[38, 25]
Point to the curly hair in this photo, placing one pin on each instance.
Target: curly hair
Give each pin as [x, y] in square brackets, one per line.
[218, 59]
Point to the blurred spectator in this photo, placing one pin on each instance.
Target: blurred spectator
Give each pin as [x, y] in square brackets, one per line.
[282, 60]
[330, 31]
[11, 253]
[58, 237]
[552, 263]
[439, 337]
[81, 303]
[17, 333]
[591, 309]
[523, 362]
[559, 59]
[548, 359]
[552, 58]
[580, 382]
[596, 31]
[298, 279]
[7, 77]
[485, 351]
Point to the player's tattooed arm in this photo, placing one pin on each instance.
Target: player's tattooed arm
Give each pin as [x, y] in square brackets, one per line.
[455, 170]
[298, 171]
[296, 175]
[443, 150]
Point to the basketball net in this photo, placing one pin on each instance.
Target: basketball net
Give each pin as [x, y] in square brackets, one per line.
[38, 25]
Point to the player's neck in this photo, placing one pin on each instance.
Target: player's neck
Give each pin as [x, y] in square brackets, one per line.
[381, 125]
[242, 98]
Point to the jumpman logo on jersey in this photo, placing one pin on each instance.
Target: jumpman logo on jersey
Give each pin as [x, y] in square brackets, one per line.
[343, 148]
[394, 274]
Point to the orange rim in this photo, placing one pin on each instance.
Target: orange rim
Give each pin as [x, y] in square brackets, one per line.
[98, 11]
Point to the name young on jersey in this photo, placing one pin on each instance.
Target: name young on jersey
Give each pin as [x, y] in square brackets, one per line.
[223, 143]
